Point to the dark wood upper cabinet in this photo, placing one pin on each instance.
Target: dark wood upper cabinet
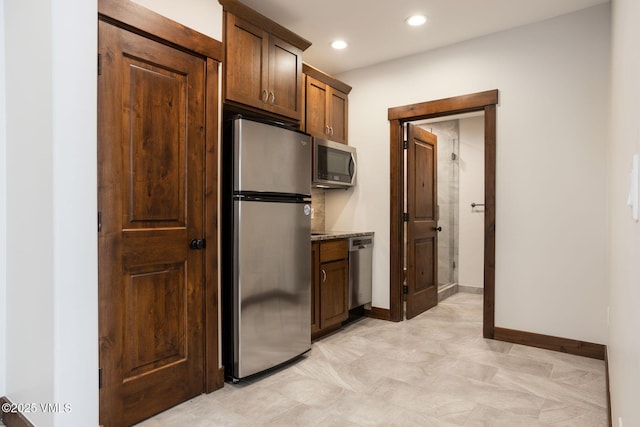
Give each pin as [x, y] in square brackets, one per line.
[263, 63]
[326, 105]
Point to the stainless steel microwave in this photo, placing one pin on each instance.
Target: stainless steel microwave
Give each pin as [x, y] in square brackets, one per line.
[334, 164]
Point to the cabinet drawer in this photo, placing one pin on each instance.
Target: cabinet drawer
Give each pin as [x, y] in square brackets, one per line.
[333, 250]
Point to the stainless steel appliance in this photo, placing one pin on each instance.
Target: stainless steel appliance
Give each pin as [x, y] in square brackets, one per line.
[334, 164]
[360, 264]
[267, 256]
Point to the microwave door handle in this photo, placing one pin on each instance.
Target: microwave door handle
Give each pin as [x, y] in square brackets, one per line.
[353, 167]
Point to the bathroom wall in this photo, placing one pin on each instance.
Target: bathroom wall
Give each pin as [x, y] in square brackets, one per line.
[471, 230]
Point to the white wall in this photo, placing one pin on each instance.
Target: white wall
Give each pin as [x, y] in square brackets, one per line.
[204, 16]
[74, 208]
[624, 271]
[3, 213]
[30, 307]
[51, 260]
[551, 173]
[471, 172]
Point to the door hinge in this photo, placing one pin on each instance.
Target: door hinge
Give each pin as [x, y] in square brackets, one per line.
[405, 144]
[99, 377]
[405, 289]
[99, 221]
[405, 217]
[99, 64]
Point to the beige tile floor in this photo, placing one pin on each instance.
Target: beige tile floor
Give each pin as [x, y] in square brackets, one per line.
[433, 370]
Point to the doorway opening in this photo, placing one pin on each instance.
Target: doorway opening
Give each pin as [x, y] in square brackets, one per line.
[460, 193]
[478, 102]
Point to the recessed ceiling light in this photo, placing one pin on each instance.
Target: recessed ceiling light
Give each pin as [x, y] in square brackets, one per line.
[339, 44]
[416, 20]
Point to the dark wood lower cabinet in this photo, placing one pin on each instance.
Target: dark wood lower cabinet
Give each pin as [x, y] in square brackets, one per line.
[329, 306]
[315, 288]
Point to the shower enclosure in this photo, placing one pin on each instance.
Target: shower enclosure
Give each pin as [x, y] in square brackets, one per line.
[448, 198]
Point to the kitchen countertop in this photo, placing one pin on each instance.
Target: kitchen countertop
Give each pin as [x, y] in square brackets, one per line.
[330, 235]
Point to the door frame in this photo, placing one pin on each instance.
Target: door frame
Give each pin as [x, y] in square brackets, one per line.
[398, 116]
[137, 19]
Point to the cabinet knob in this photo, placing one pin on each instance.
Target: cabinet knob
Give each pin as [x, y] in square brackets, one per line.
[438, 229]
[324, 276]
[331, 130]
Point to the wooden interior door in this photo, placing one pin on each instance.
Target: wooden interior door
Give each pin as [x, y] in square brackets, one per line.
[151, 139]
[422, 235]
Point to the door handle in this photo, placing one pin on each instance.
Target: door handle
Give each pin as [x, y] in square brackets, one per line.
[438, 229]
[324, 276]
[273, 98]
[198, 244]
[265, 96]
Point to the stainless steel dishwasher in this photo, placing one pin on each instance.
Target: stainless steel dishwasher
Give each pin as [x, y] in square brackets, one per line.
[360, 264]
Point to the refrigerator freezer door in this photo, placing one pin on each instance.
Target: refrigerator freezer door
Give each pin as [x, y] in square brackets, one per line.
[273, 284]
[269, 158]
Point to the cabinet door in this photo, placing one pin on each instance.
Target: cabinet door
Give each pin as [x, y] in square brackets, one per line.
[285, 78]
[333, 292]
[246, 75]
[337, 108]
[315, 287]
[316, 107]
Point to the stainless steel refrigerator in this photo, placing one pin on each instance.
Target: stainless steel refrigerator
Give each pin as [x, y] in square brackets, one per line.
[268, 285]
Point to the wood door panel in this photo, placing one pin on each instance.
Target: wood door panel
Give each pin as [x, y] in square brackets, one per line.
[153, 247]
[315, 287]
[423, 194]
[246, 62]
[167, 383]
[334, 293]
[156, 158]
[422, 239]
[285, 78]
[316, 107]
[338, 109]
[334, 250]
[425, 266]
[155, 320]
[151, 145]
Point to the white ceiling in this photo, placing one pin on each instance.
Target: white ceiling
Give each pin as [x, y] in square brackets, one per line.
[376, 32]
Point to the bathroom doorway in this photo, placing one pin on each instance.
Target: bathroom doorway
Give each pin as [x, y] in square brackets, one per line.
[398, 117]
[460, 182]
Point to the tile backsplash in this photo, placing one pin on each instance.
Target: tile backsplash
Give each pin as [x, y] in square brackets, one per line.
[317, 206]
